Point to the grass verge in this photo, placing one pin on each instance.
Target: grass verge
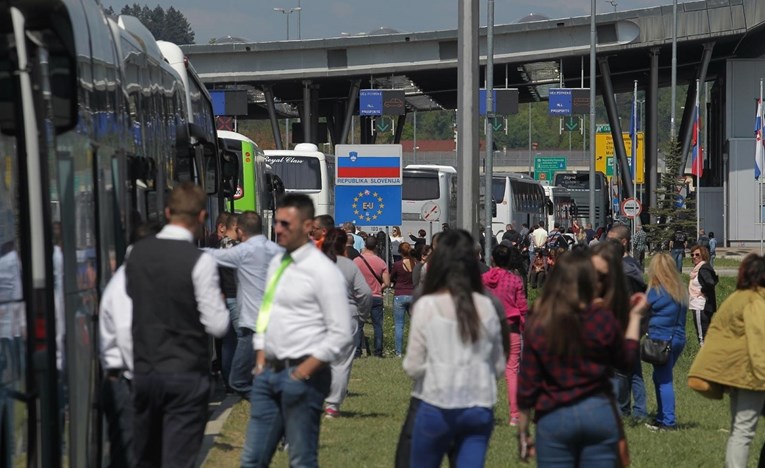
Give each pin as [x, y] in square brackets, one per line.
[366, 434]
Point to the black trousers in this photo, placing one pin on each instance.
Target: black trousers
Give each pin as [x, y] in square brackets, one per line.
[118, 407]
[170, 418]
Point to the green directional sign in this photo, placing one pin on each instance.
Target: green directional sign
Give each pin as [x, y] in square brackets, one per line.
[571, 124]
[382, 125]
[602, 128]
[497, 123]
[546, 166]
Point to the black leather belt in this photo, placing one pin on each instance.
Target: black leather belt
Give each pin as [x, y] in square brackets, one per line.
[278, 365]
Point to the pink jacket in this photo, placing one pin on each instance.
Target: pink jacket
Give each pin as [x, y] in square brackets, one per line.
[508, 288]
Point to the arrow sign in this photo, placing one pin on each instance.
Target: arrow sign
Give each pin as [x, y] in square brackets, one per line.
[497, 124]
[382, 125]
[572, 124]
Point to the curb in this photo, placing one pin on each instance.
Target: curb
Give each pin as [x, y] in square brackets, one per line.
[220, 413]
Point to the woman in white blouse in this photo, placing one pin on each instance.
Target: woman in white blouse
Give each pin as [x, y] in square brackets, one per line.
[455, 357]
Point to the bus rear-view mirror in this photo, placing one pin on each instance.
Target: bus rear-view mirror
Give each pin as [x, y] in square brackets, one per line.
[229, 173]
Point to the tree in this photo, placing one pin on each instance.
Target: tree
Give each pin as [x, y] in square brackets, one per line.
[170, 25]
[672, 211]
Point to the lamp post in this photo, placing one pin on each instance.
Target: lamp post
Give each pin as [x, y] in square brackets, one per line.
[287, 12]
[613, 4]
[300, 29]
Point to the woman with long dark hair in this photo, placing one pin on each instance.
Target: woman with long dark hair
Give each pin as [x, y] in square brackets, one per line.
[508, 288]
[359, 302]
[455, 355]
[403, 287]
[571, 346]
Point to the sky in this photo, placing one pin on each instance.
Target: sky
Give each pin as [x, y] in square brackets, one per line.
[256, 19]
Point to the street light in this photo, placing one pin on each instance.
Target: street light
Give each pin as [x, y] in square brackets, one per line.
[287, 12]
[613, 4]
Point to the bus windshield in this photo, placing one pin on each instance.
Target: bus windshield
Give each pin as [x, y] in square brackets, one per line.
[297, 172]
[577, 181]
[420, 187]
[498, 189]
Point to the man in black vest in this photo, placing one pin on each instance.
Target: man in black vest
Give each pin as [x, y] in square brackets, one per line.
[176, 302]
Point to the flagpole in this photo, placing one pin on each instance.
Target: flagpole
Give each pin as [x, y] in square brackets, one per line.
[634, 128]
[698, 161]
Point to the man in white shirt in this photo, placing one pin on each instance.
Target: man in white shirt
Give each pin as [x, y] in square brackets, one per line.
[303, 325]
[539, 237]
[115, 321]
[177, 302]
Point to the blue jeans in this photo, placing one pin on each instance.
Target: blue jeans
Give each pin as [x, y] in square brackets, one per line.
[280, 405]
[665, 392]
[585, 433]
[400, 306]
[358, 337]
[436, 430]
[228, 347]
[242, 363]
[377, 324]
[634, 386]
[678, 255]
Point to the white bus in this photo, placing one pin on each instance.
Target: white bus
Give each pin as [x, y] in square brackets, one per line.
[428, 199]
[306, 170]
[518, 199]
[560, 206]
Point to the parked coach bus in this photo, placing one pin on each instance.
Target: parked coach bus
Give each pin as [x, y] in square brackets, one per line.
[95, 132]
[306, 170]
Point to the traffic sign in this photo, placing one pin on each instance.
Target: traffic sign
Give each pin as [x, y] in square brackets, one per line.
[568, 101]
[572, 124]
[505, 101]
[602, 128]
[382, 125]
[368, 184]
[382, 102]
[373, 205]
[605, 152]
[497, 123]
[631, 207]
[364, 165]
[545, 167]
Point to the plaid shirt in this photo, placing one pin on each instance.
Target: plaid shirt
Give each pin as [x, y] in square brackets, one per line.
[547, 381]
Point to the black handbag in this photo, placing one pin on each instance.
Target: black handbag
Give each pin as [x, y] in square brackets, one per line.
[655, 352]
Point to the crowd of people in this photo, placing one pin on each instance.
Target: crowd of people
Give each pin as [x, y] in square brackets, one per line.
[290, 316]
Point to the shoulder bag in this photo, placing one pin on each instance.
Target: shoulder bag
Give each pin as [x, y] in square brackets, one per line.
[657, 352]
[379, 280]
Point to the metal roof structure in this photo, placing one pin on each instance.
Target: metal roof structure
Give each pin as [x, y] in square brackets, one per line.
[531, 56]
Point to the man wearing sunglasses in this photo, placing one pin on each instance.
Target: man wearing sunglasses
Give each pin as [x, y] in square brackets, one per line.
[303, 325]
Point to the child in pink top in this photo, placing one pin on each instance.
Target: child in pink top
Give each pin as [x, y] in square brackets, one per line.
[508, 288]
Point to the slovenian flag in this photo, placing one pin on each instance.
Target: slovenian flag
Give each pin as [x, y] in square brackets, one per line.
[697, 164]
[759, 149]
[354, 166]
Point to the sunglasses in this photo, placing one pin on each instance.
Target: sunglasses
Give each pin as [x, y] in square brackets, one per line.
[696, 255]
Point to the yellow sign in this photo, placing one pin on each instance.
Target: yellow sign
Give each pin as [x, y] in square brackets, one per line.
[605, 154]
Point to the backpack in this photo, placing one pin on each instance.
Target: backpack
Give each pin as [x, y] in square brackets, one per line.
[704, 242]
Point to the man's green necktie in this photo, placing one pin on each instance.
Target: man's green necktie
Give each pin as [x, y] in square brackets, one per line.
[268, 298]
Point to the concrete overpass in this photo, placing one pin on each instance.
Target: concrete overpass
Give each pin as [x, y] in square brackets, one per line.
[320, 78]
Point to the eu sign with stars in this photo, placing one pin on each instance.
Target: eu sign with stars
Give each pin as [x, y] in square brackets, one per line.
[368, 185]
[368, 206]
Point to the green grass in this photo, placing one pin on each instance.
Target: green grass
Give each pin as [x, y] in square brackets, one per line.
[367, 433]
